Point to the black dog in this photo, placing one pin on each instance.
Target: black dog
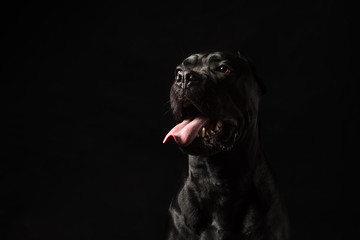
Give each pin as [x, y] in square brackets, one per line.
[229, 191]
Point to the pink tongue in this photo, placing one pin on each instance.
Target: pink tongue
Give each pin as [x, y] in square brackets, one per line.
[184, 133]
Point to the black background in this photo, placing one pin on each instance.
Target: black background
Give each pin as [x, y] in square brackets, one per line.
[85, 90]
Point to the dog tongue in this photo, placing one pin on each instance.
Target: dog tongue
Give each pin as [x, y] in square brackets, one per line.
[185, 132]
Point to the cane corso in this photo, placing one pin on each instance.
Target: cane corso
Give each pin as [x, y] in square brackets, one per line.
[228, 190]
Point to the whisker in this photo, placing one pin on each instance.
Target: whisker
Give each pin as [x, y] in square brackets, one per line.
[164, 105]
[166, 112]
[167, 105]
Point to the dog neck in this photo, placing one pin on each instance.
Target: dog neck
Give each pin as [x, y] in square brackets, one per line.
[227, 167]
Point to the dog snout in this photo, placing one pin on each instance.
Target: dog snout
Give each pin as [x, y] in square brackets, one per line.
[186, 77]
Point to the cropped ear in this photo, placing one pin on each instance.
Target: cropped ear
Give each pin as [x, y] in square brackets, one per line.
[253, 70]
[241, 56]
[258, 80]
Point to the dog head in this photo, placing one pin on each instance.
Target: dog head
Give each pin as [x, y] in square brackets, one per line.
[214, 99]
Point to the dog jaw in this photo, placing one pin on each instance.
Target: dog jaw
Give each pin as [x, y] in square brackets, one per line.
[215, 95]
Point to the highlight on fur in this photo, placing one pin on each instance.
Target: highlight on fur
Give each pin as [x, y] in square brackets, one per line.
[229, 191]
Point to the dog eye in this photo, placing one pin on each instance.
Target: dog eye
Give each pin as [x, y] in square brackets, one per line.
[223, 69]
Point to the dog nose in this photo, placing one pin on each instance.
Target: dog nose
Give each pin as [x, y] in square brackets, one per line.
[189, 75]
[184, 78]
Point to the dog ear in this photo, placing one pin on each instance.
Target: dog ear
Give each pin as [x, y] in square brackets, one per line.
[259, 82]
[241, 56]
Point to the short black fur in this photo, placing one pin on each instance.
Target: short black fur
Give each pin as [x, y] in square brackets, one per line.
[228, 191]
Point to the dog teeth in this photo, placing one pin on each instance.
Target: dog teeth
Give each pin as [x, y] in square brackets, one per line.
[202, 134]
[218, 126]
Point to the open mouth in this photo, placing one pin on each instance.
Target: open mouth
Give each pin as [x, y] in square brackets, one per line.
[194, 125]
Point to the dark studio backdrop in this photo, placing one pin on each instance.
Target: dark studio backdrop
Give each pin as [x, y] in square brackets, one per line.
[84, 91]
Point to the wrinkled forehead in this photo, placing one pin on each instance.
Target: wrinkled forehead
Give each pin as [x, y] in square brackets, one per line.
[203, 59]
